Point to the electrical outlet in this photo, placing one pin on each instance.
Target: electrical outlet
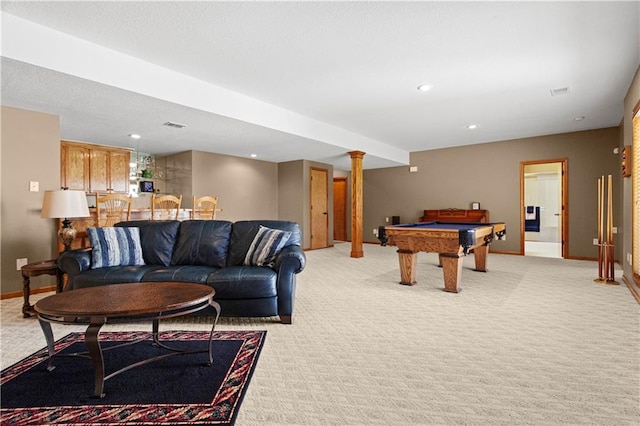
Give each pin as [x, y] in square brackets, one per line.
[20, 263]
[595, 241]
[386, 219]
[614, 229]
[34, 186]
[375, 231]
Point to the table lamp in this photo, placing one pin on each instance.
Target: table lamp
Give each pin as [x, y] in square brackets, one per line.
[63, 204]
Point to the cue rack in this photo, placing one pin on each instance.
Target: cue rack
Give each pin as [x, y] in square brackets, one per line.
[605, 232]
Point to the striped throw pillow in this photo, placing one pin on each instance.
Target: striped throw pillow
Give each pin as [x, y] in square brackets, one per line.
[115, 247]
[265, 246]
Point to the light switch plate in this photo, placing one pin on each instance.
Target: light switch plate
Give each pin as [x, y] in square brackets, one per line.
[34, 186]
[21, 262]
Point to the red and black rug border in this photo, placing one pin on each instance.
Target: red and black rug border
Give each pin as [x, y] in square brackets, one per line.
[222, 410]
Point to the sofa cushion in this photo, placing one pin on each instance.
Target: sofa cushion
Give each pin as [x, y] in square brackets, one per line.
[244, 282]
[113, 275]
[265, 246]
[244, 232]
[115, 247]
[186, 273]
[202, 242]
[157, 238]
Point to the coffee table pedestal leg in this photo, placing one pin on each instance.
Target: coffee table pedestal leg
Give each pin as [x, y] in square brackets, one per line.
[48, 335]
[215, 306]
[95, 352]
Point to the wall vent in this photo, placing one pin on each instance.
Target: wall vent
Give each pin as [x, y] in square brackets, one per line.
[176, 125]
[560, 91]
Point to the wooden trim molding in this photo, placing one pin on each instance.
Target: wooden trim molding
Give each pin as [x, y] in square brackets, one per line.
[565, 201]
[635, 109]
[33, 291]
[634, 287]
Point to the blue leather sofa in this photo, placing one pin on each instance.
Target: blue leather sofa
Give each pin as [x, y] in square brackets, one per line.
[209, 252]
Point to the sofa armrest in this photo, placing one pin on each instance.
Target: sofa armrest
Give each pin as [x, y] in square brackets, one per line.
[293, 256]
[290, 261]
[73, 262]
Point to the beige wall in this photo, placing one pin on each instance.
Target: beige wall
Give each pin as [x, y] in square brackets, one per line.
[291, 191]
[630, 101]
[246, 188]
[29, 151]
[294, 189]
[179, 176]
[490, 174]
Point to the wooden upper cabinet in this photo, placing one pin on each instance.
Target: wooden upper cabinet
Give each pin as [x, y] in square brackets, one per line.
[94, 168]
[74, 166]
[119, 170]
[99, 170]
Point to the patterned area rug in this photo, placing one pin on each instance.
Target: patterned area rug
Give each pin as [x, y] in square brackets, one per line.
[176, 390]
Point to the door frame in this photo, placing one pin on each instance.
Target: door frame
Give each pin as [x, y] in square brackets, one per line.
[564, 211]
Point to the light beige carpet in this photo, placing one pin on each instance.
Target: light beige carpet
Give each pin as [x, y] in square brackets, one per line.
[534, 341]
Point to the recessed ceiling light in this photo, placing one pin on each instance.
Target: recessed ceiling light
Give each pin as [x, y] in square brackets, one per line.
[579, 118]
[134, 136]
[472, 126]
[253, 155]
[425, 87]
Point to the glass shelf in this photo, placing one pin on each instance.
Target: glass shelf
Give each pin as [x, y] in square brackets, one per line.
[143, 166]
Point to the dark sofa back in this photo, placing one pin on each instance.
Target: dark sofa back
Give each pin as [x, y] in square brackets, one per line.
[216, 243]
[202, 243]
[244, 232]
[157, 238]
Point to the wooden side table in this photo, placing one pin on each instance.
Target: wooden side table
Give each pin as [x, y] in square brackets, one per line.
[46, 267]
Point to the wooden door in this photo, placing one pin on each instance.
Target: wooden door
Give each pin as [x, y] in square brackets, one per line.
[319, 209]
[119, 171]
[340, 209]
[74, 167]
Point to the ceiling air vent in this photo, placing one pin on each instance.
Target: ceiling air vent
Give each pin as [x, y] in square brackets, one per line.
[560, 91]
[176, 125]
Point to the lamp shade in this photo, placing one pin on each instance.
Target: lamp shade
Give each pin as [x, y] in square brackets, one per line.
[63, 203]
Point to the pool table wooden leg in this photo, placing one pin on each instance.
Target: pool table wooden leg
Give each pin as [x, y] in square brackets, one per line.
[408, 261]
[480, 254]
[452, 270]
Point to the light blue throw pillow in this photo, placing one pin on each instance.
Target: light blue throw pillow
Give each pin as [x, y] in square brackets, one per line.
[115, 247]
[265, 246]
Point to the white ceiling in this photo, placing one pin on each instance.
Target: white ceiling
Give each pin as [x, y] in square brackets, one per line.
[314, 80]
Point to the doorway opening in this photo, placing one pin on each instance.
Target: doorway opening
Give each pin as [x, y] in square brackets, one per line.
[340, 208]
[543, 208]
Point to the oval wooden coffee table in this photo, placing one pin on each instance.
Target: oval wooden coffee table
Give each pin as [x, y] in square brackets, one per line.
[122, 303]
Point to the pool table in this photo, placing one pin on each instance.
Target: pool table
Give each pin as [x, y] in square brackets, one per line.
[452, 241]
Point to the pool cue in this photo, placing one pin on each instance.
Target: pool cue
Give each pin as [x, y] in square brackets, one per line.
[600, 254]
[606, 265]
